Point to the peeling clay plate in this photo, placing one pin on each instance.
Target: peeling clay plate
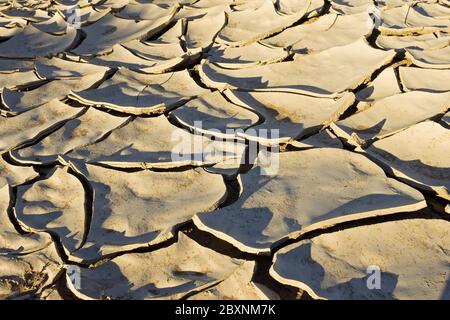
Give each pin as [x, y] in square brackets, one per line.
[224, 149]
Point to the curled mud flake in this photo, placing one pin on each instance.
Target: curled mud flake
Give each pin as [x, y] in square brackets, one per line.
[160, 201]
[34, 124]
[139, 94]
[272, 209]
[381, 120]
[323, 74]
[146, 143]
[413, 155]
[11, 241]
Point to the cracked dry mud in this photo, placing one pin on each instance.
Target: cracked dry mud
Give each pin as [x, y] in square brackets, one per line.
[100, 200]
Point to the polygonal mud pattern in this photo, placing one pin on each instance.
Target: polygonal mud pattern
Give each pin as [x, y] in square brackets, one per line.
[224, 149]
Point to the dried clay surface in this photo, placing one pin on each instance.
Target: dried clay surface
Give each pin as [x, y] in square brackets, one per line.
[224, 149]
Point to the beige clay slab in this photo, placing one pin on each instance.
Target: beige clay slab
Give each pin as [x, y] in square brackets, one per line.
[328, 31]
[405, 21]
[31, 125]
[332, 186]
[213, 114]
[14, 175]
[432, 80]
[384, 85]
[410, 256]
[243, 57]
[390, 115]
[422, 41]
[136, 93]
[156, 143]
[75, 133]
[160, 203]
[11, 241]
[57, 68]
[19, 101]
[238, 286]
[25, 275]
[32, 42]
[247, 26]
[177, 271]
[100, 37]
[435, 58]
[201, 32]
[45, 206]
[345, 67]
[418, 156]
[288, 116]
